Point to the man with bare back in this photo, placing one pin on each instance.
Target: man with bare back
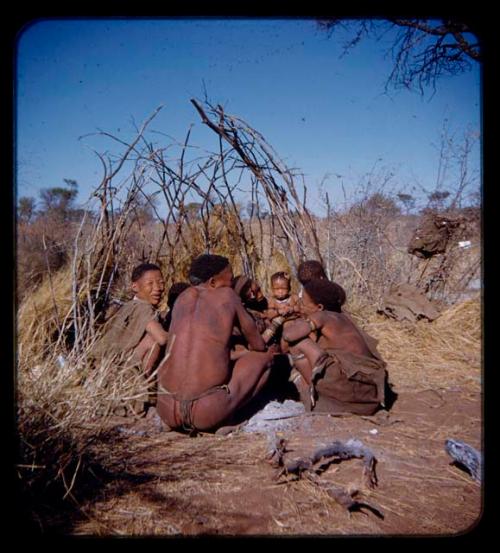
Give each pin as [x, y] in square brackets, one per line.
[340, 369]
[199, 386]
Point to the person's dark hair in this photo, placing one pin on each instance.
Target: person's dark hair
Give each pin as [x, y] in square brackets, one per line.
[280, 275]
[143, 268]
[241, 285]
[206, 266]
[329, 294]
[310, 269]
[175, 291]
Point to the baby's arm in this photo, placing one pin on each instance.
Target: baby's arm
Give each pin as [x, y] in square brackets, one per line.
[294, 303]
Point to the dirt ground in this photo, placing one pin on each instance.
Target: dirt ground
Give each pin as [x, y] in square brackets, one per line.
[159, 483]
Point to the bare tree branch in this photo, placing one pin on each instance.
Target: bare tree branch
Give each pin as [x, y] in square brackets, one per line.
[423, 50]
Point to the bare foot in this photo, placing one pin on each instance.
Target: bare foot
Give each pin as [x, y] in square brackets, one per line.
[225, 430]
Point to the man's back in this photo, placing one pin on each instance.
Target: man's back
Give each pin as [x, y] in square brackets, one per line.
[202, 322]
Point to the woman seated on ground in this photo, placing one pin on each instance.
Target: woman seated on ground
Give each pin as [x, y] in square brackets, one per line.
[135, 330]
[339, 367]
[134, 336]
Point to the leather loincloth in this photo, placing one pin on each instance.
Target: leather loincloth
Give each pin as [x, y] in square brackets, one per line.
[186, 404]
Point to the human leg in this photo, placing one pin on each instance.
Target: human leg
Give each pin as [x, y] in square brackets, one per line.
[250, 373]
[147, 353]
[304, 356]
[310, 361]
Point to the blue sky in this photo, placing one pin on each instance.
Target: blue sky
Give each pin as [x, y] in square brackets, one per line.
[324, 114]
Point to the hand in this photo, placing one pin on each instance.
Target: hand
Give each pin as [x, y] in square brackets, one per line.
[237, 352]
[278, 321]
[274, 349]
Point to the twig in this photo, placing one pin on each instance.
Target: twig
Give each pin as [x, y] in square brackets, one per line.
[328, 454]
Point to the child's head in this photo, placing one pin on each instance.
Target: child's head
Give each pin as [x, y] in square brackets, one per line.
[213, 269]
[310, 269]
[247, 288]
[250, 292]
[147, 283]
[322, 294]
[280, 285]
[241, 285]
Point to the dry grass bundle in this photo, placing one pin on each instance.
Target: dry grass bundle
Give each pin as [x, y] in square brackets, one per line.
[465, 316]
[65, 403]
[440, 354]
[42, 313]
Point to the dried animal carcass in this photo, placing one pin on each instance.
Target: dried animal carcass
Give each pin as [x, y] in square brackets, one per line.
[432, 236]
[405, 302]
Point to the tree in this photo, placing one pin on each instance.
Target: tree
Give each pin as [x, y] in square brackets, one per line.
[377, 205]
[407, 200]
[423, 50]
[58, 201]
[193, 210]
[26, 209]
[437, 198]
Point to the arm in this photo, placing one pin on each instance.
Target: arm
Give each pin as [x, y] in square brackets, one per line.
[301, 328]
[237, 352]
[157, 332]
[286, 310]
[249, 328]
[270, 313]
[295, 303]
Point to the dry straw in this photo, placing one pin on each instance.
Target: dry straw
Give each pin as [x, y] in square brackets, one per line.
[436, 354]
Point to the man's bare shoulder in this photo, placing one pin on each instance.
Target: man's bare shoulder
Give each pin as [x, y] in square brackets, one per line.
[224, 293]
[227, 293]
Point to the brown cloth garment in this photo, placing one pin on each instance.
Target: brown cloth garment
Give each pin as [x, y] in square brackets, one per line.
[350, 383]
[122, 333]
[125, 329]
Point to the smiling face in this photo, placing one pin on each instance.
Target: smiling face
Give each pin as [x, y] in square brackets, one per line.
[149, 287]
[307, 305]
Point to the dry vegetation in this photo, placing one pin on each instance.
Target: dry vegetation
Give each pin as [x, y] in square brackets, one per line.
[66, 464]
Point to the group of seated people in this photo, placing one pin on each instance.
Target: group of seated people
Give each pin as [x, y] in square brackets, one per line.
[216, 348]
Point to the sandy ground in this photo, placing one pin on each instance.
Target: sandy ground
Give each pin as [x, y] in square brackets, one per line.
[158, 483]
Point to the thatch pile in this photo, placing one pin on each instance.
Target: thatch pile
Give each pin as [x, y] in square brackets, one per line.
[63, 401]
[436, 354]
[43, 310]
